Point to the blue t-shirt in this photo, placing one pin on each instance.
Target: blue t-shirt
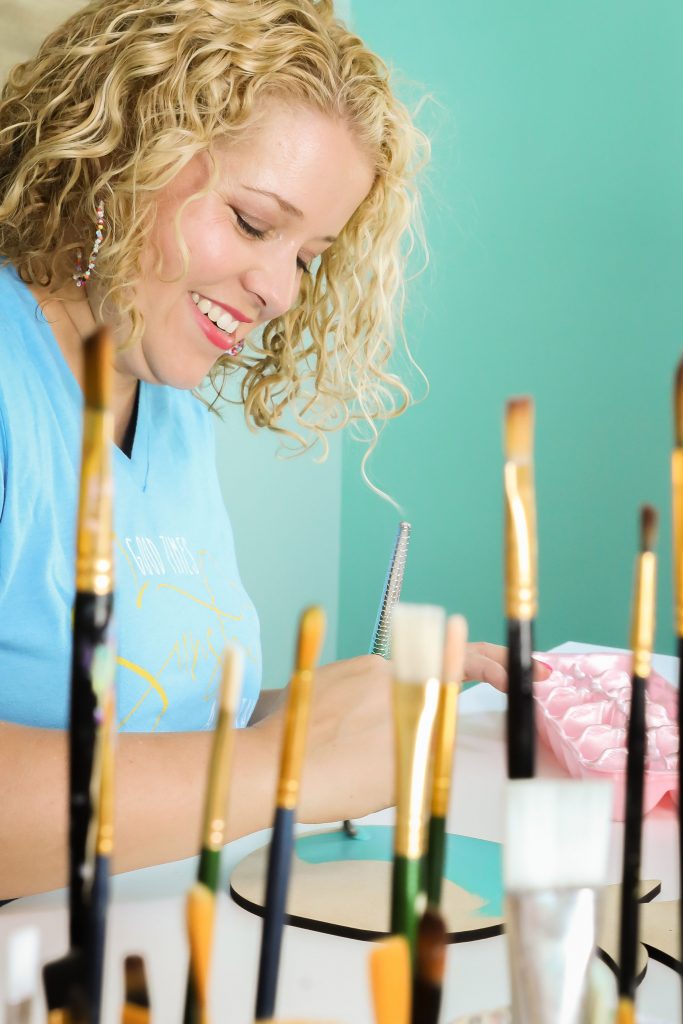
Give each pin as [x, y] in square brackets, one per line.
[179, 597]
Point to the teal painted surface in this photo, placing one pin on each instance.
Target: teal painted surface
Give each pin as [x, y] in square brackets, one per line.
[554, 214]
[473, 864]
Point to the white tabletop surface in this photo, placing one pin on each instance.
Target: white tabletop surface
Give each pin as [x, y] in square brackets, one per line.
[322, 977]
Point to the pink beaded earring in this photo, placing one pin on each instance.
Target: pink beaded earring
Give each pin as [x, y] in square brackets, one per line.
[81, 277]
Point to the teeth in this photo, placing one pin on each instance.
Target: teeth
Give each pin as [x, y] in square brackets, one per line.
[226, 323]
[219, 316]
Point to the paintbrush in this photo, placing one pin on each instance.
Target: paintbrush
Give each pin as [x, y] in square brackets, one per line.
[430, 965]
[213, 828]
[66, 981]
[311, 631]
[102, 832]
[391, 595]
[417, 654]
[136, 1007]
[390, 980]
[642, 640]
[555, 860]
[677, 531]
[444, 748]
[22, 975]
[201, 908]
[521, 595]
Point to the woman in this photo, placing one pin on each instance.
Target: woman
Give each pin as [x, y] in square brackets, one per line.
[192, 173]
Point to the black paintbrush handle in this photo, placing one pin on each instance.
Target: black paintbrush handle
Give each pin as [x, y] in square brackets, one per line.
[426, 1001]
[94, 955]
[633, 829]
[680, 794]
[92, 615]
[279, 861]
[521, 730]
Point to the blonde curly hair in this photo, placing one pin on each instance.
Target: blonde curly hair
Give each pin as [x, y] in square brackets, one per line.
[124, 94]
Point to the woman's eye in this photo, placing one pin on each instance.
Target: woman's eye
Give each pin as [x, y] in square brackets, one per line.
[253, 232]
[248, 228]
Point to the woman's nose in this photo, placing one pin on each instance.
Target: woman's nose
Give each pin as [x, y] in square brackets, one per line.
[275, 283]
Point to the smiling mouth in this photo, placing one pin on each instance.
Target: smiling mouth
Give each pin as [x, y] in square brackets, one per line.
[216, 314]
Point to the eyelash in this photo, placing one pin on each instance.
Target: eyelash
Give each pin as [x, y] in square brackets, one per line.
[253, 232]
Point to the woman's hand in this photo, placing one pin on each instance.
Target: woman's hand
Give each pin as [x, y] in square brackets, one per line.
[349, 767]
[487, 663]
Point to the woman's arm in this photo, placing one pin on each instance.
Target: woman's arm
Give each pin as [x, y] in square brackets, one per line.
[160, 778]
[159, 795]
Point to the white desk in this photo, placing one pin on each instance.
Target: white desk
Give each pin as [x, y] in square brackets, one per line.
[323, 977]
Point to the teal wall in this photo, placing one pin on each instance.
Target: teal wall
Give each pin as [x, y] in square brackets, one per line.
[554, 216]
[286, 517]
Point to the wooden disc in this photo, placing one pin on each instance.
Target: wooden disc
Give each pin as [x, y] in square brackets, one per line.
[342, 885]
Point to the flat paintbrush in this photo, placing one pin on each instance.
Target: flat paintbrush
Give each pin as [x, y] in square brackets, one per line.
[521, 594]
[213, 828]
[102, 831]
[23, 947]
[677, 530]
[136, 1006]
[642, 640]
[444, 748]
[390, 973]
[65, 980]
[417, 655]
[311, 631]
[391, 595]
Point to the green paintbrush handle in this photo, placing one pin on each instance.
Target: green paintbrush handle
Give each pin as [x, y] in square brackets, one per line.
[407, 885]
[209, 868]
[435, 859]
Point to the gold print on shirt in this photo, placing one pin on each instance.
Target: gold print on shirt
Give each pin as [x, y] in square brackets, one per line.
[154, 563]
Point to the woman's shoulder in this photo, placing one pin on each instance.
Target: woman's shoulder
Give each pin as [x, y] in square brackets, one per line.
[19, 315]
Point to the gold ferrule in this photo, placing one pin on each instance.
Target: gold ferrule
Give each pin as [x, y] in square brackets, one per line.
[94, 562]
[643, 626]
[294, 745]
[213, 828]
[415, 708]
[521, 573]
[445, 729]
[677, 529]
[105, 817]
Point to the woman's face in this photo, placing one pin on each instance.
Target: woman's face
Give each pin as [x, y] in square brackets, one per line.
[280, 198]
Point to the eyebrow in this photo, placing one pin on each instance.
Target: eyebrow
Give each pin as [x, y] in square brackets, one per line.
[285, 206]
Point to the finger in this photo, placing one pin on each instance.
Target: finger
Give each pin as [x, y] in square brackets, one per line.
[494, 652]
[482, 669]
[541, 669]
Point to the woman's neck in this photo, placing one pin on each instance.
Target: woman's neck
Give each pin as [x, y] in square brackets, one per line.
[72, 321]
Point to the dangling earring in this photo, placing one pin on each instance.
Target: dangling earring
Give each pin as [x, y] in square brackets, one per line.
[81, 277]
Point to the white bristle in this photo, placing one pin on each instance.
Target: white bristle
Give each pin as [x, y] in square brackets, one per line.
[417, 637]
[23, 956]
[557, 833]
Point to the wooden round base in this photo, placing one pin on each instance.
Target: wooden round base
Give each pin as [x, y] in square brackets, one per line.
[349, 896]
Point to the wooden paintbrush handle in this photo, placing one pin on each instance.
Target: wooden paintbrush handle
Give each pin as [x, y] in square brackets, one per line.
[633, 828]
[521, 735]
[436, 853]
[279, 861]
[209, 868]
[407, 885]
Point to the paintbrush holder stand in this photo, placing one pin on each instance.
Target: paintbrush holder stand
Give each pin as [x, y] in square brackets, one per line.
[582, 715]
